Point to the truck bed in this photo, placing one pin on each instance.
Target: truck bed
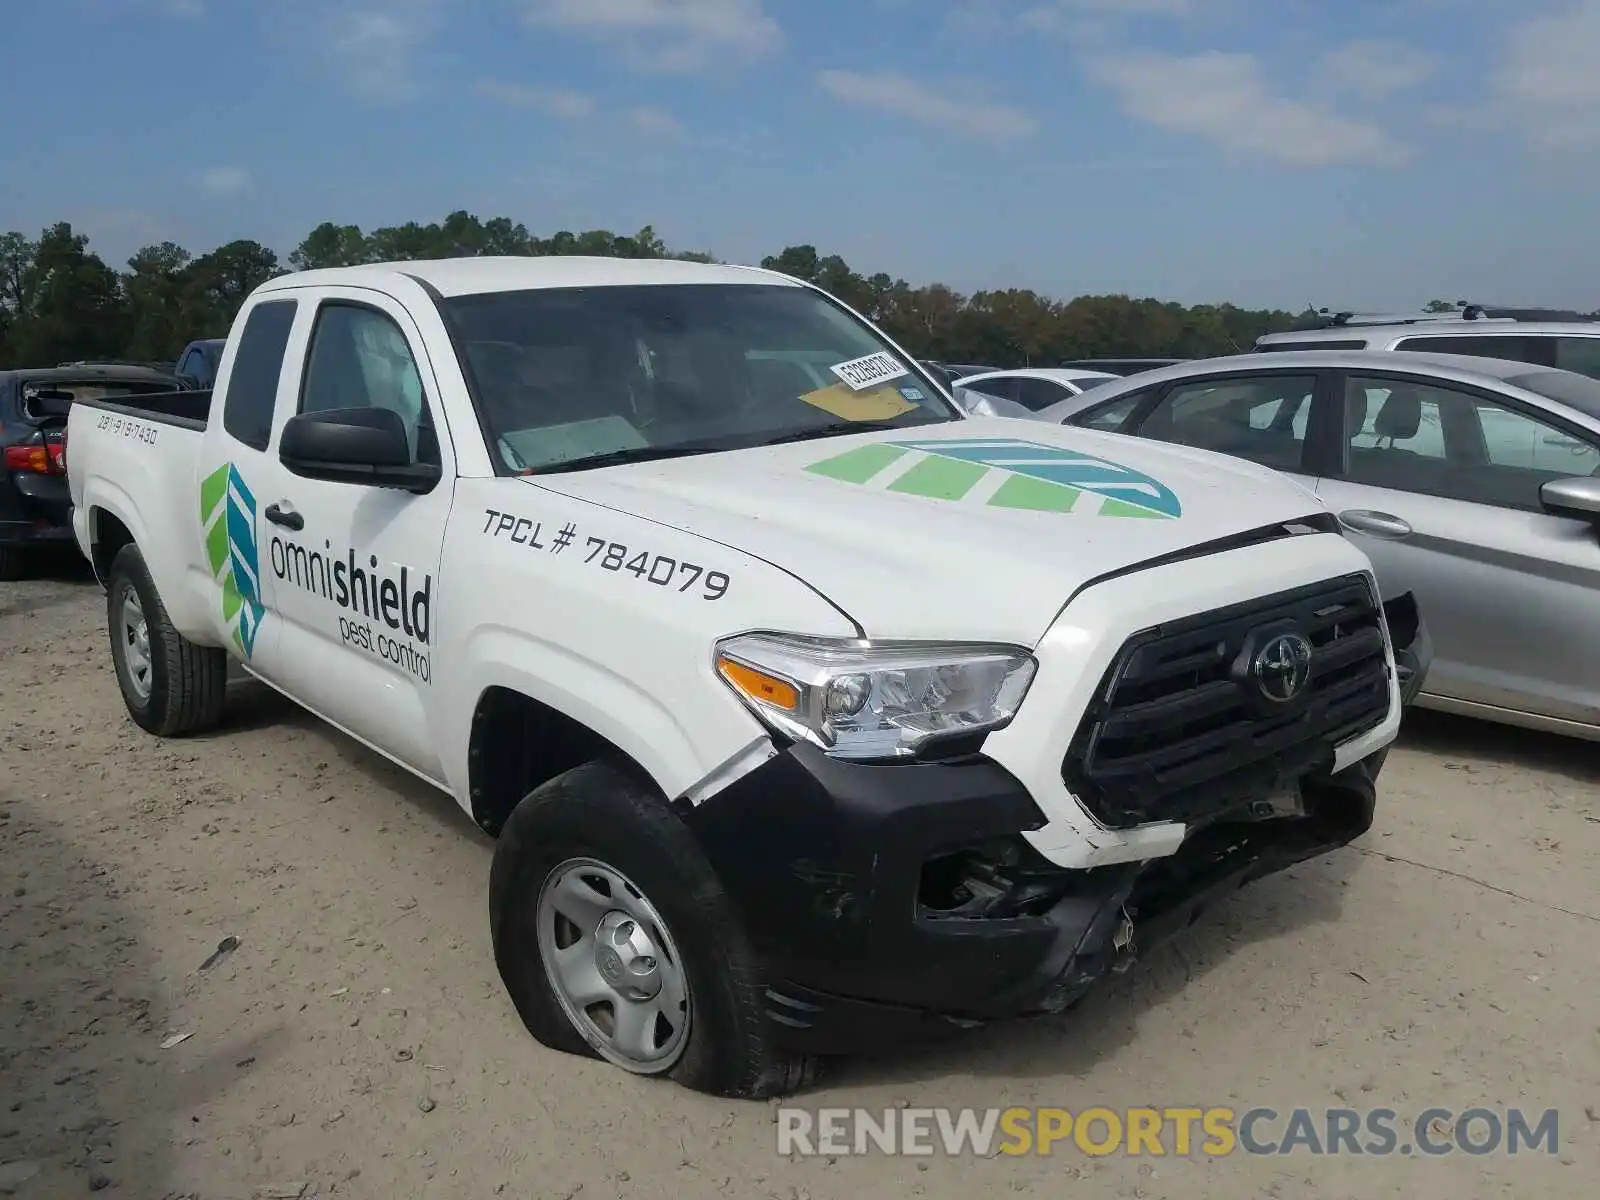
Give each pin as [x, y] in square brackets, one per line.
[185, 409]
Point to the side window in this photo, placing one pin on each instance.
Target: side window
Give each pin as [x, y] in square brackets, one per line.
[359, 358]
[1034, 394]
[1110, 417]
[1260, 417]
[1343, 344]
[1004, 387]
[1507, 346]
[1380, 414]
[1438, 441]
[252, 391]
[1580, 354]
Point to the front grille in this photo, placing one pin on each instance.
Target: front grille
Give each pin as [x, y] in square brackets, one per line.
[1180, 731]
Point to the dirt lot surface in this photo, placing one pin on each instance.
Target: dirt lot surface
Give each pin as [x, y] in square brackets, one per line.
[357, 1041]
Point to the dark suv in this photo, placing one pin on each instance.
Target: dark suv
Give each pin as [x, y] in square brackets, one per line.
[35, 506]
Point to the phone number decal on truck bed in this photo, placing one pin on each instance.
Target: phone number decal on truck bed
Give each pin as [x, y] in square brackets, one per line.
[127, 427]
[660, 569]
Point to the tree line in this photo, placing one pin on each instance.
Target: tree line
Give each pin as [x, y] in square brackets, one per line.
[60, 301]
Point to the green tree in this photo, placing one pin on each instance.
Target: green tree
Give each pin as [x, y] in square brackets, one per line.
[59, 301]
[216, 284]
[158, 313]
[72, 303]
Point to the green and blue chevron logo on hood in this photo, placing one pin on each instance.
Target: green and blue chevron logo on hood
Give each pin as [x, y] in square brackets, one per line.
[228, 519]
[1004, 473]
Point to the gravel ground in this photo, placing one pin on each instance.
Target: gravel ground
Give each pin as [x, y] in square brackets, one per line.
[357, 1043]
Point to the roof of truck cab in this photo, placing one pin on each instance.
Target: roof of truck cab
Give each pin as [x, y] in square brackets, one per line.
[510, 273]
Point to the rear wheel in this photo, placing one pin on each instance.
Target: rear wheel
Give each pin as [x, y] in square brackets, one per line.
[170, 685]
[616, 941]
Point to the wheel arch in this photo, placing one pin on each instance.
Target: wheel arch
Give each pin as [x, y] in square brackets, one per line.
[518, 742]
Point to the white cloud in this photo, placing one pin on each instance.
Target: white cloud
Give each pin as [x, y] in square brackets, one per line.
[1377, 69]
[373, 48]
[890, 92]
[223, 181]
[1548, 79]
[668, 35]
[654, 122]
[1225, 99]
[1068, 18]
[557, 102]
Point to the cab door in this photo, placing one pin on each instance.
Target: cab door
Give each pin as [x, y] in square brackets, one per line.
[235, 465]
[355, 566]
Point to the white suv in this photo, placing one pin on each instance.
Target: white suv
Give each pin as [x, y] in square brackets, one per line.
[1569, 345]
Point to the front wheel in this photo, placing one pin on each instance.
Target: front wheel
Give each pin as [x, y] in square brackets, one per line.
[615, 940]
[170, 685]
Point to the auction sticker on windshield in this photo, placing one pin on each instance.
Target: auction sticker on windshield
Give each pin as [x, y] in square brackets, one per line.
[869, 371]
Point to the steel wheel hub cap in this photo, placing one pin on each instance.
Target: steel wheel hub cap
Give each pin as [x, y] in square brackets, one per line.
[613, 966]
[135, 644]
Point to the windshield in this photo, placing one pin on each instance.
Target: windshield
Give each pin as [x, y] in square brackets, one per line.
[571, 376]
[1565, 387]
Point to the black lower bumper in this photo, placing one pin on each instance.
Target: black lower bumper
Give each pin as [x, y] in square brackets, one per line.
[34, 510]
[896, 902]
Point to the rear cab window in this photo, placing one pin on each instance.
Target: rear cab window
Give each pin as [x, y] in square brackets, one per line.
[251, 396]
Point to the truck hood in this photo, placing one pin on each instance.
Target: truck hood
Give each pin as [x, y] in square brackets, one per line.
[975, 529]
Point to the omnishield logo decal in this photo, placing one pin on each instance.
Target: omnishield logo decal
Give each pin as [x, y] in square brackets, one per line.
[228, 518]
[1005, 473]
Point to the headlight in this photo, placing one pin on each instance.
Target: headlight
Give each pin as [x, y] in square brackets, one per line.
[874, 701]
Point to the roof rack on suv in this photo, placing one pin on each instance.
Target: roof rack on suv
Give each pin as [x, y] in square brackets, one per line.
[1324, 318]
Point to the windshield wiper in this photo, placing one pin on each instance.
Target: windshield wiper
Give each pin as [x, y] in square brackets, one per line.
[632, 454]
[635, 454]
[836, 428]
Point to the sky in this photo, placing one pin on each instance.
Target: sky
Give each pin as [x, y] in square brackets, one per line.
[1369, 154]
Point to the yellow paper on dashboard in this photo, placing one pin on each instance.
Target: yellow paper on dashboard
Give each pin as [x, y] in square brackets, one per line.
[875, 404]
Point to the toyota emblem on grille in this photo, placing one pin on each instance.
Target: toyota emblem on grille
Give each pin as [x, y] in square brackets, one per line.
[1283, 667]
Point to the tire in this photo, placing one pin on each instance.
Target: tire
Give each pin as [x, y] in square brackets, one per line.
[594, 820]
[14, 564]
[171, 686]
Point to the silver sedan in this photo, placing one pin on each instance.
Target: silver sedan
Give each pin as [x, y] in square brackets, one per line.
[1472, 483]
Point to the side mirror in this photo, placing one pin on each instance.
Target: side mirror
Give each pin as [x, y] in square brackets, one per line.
[1577, 498]
[354, 445]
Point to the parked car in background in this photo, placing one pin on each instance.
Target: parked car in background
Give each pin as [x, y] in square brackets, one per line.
[1037, 387]
[982, 404]
[1568, 345]
[1119, 366]
[197, 365]
[1473, 482]
[962, 370]
[35, 508]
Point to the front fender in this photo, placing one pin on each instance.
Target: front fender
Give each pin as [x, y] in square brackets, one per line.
[527, 602]
[677, 744]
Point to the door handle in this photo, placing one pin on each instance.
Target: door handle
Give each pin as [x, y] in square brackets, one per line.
[287, 517]
[1377, 524]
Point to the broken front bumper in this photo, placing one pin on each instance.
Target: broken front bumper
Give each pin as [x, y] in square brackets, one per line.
[892, 902]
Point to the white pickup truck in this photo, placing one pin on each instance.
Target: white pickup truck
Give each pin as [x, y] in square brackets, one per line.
[809, 711]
